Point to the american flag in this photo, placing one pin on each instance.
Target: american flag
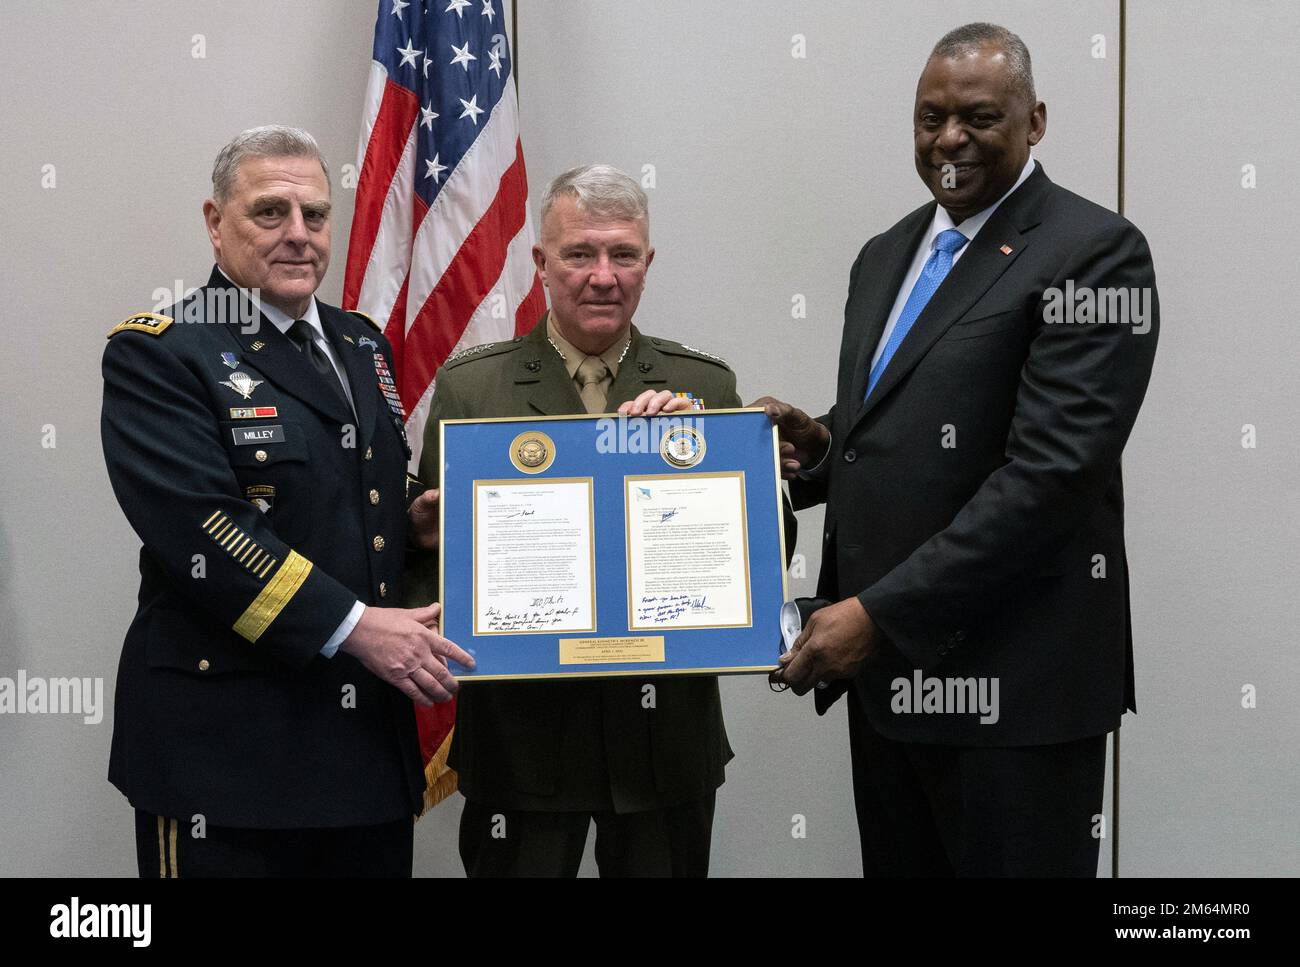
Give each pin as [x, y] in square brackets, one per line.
[440, 251]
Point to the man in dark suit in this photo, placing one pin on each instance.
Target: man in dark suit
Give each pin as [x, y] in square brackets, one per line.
[263, 723]
[997, 346]
[538, 761]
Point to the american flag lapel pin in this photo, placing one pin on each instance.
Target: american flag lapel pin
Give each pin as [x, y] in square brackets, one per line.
[1005, 250]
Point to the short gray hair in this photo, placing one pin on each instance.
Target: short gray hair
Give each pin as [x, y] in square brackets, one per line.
[971, 37]
[267, 141]
[600, 190]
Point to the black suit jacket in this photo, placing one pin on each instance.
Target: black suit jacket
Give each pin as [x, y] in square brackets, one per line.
[974, 501]
[577, 745]
[259, 533]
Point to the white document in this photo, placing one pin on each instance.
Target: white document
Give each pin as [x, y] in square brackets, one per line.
[688, 552]
[534, 556]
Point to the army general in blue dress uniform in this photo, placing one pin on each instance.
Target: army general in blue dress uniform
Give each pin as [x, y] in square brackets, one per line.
[263, 720]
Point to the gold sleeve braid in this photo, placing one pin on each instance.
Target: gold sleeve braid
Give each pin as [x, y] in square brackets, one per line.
[277, 592]
[271, 600]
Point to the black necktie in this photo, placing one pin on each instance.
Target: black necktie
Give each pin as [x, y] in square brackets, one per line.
[300, 332]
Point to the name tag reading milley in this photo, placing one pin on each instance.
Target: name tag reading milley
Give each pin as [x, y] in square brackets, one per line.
[246, 435]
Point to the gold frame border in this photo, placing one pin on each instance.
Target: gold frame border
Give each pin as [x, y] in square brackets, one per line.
[547, 418]
[633, 673]
[442, 530]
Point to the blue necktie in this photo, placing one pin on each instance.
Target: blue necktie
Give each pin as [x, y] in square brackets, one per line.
[936, 269]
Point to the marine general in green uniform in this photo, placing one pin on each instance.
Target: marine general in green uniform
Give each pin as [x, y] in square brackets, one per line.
[539, 761]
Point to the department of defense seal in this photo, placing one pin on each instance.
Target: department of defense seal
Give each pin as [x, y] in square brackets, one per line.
[532, 451]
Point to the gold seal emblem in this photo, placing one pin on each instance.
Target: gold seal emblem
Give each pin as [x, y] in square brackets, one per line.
[682, 446]
[532, 451]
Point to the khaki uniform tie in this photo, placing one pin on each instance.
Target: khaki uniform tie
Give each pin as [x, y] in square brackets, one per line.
[591, 373]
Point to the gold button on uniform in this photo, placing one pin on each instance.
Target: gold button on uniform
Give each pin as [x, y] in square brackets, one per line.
[374, 496]
[379, 542]
[383, 589]
[370, 452]
[203, 665]
[260, 456]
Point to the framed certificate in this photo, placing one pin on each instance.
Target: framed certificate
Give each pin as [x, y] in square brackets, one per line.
[607, 546]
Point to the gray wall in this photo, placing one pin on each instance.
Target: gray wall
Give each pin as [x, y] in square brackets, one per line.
[770, 173]
[1210, 787]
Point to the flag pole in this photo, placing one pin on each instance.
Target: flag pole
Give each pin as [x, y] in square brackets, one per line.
[514, 44]
[1119, 177]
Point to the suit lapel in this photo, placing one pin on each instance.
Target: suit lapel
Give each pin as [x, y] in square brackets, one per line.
[541, 377]
[359, 364]
[977, 270]
[642, 368]
[891, 271]
[272, 354]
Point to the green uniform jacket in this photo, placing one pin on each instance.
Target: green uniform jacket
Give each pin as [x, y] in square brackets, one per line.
[577, 745]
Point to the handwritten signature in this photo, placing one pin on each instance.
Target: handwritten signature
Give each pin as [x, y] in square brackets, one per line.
[658, 609]
[536, 618]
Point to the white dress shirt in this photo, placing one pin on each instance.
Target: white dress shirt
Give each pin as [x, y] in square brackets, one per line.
[282, 321]
[942, 222]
